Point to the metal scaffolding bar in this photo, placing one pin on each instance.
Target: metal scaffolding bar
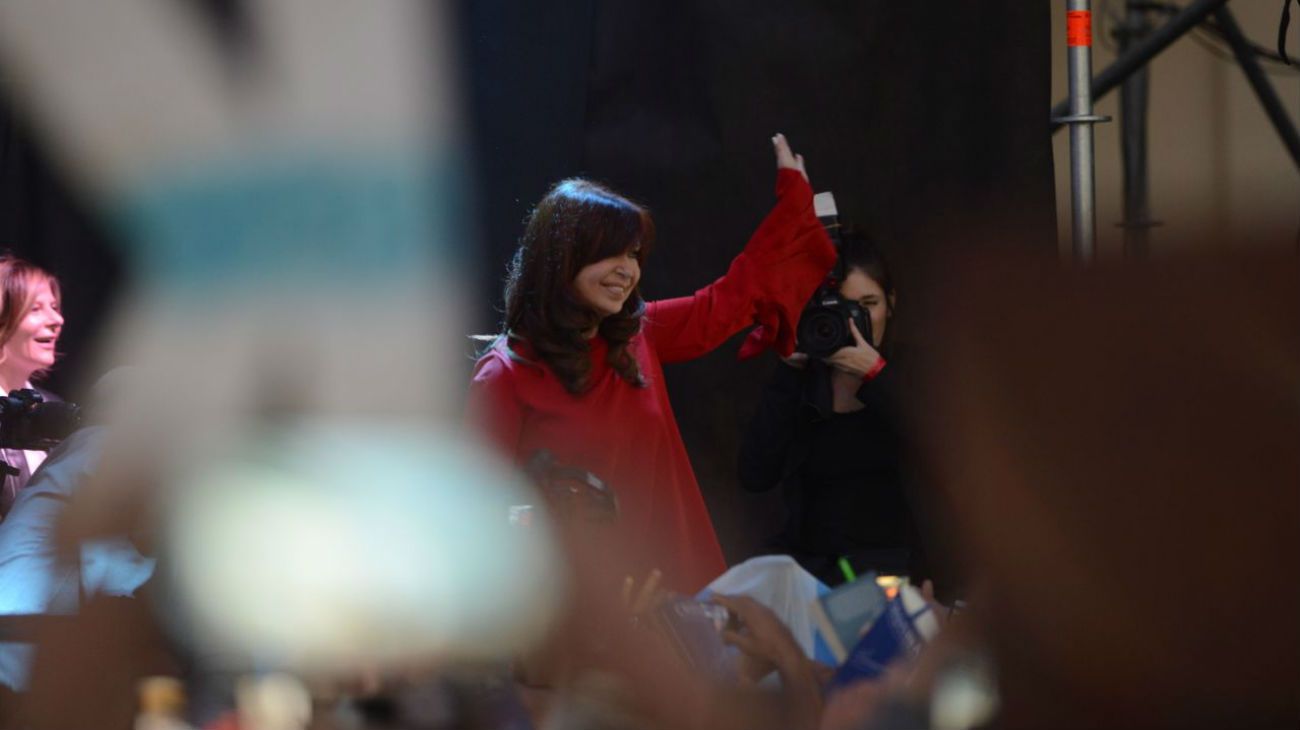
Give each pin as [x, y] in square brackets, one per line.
[1133, 136]
[1134, 59]
[1083, 185]
[1268, 97]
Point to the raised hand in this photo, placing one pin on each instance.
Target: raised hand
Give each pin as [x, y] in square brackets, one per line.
[787, 159]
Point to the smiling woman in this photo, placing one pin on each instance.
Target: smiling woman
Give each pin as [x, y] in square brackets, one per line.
[30, 323]
[578, 368]
[605, 285]
[574, 277]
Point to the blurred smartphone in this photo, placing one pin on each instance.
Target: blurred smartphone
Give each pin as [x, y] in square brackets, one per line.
[694, 628]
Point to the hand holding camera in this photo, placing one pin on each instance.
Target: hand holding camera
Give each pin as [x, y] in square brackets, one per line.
[835, 327]
[857, 359]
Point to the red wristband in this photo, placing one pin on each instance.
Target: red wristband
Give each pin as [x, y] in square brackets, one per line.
[874, 371]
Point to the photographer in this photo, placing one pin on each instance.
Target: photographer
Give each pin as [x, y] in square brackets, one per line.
[827, 430]
[30, 323]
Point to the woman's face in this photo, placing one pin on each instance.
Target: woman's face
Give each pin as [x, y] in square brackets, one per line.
[606, 284]
[32, 346]
[864, 290]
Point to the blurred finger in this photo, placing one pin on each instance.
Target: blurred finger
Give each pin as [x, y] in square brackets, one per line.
[628, 583]
[857, 336]
[648, 590]
[784, 158]
[938, 609]
[739, 605]
[746, 644]
[757, 619]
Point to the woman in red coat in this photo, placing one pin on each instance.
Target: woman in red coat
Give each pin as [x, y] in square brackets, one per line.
[578, 370]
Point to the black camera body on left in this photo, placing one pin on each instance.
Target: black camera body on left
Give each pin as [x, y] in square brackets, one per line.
[28, 421]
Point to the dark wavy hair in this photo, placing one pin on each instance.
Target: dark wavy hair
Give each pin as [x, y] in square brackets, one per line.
[579, 222]
[858, 250]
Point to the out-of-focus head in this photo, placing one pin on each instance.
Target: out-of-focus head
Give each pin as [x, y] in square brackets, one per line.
[577, 268]
[30, 320]
[868, 281]
[1123, 483]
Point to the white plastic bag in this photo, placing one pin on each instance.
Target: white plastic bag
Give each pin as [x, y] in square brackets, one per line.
[778, 582]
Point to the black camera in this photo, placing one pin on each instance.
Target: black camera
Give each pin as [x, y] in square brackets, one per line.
[572, 492]
[28, 421]
[824, 325]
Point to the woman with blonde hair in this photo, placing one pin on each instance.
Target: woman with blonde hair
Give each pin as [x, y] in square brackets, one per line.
[30, 323]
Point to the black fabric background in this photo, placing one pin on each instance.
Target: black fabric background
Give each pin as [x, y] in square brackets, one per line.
[43, 220]
[929, 121]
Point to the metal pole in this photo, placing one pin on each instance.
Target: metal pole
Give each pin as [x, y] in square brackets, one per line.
[1259, 82]
[1114, 74]
[1133, 136]
[1083, 188]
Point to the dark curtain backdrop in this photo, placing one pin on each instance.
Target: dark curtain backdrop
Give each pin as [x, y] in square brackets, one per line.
[44, 221]
[927, 120]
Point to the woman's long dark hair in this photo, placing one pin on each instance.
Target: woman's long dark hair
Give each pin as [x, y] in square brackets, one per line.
[859, 251]
[579, 222]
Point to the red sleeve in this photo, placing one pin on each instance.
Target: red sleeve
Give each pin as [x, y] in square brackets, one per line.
[767, 284]
[494, 409]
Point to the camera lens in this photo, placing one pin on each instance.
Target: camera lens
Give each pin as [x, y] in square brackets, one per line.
[821, 332]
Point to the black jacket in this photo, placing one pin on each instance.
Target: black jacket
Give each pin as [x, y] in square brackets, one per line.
[843, 475]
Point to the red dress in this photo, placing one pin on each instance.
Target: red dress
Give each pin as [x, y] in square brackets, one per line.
[626, 434]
